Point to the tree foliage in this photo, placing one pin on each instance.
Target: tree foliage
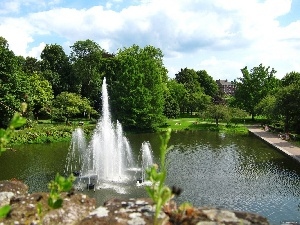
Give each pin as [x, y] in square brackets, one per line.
[141, 94]
[208, 84]
[86, 58]
[136, 78]
[287, 105]
[67, 105]
[253, 86]
[195, 98]
[56, 68]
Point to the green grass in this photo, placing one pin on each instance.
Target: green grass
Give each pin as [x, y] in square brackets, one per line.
[208, 125]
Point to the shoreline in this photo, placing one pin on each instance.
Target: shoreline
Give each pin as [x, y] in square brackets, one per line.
[272, 139]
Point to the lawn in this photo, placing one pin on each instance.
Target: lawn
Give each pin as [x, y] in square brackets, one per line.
[197, 124]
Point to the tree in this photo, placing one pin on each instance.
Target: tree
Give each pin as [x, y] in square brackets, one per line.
[87, 58]
[40, 94]
[253, 87]
[177, 92]
[266, 107]
[189, 78]
[136, 80]
[217, 112]
[30, 65]
[13, 83]
[287, 105]
[195, 96]
[67, 105]
[207, 83]
[56, 68]
[290, 78]
[171, 107]
[236, 114]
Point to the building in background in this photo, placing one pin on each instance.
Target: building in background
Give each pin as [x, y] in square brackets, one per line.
[226, 87]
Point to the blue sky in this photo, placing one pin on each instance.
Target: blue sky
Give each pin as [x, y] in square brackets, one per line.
[218, 36]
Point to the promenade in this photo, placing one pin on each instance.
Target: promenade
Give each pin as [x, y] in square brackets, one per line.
[273, 139]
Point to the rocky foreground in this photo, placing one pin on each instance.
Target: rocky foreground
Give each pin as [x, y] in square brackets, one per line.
[79, 209]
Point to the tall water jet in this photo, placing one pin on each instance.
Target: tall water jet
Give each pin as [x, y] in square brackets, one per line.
[77, 156]
[110, 149]
[147, 158]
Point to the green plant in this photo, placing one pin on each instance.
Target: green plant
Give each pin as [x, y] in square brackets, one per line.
[158, 191]
[4, 210]
[58, 185]
[5, 135]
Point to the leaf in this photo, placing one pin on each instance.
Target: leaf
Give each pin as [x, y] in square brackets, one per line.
[57, 204]
[17, 121]
[50, 202]
[4, 210]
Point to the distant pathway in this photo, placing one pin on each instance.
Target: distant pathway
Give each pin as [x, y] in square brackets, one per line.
[273, 139]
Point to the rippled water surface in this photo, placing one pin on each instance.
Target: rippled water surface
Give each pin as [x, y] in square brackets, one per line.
[227, 171]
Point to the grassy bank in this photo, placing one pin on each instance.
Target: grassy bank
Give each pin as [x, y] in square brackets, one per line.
[46, 131]
[208, 125]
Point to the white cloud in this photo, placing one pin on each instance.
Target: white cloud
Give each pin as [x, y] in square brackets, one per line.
[218, 36]
[18, 33]
[35, 52]
[7, 7]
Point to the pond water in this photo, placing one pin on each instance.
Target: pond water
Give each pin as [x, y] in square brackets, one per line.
[238, 172]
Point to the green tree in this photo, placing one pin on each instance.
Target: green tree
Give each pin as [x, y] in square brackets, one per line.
[287, 106]
[67, 105]
[218, 112]
[266, 107]
[40, 94]
[171, 107]
[136, 80]
[177, 92]
[236, 114]
[253, 87]
[87, 57]
[13, 83]
[207, 83]
[194, 92]
[56, 68]
[30, 65]
[291, 78]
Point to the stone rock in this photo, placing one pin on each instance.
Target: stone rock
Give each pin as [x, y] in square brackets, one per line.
[14, 185]
[11, 188]
[24, 207]
[79, 209]
[116, 211]
[215, 216]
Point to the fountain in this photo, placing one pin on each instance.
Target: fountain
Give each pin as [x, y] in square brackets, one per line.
[77, 156]
[147, 160]
[108, 156]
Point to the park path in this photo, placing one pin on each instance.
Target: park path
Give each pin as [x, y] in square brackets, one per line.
[286, 147]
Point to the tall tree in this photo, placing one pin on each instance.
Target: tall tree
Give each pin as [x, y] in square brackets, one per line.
[287, 105]
[195, 98]
[13, 84]
[39, 95]
[253, 87]
[136, 78]
[207, 83]
[66, 105]
[291, 78]
[87, 58]
[177, 92]
[56, 68]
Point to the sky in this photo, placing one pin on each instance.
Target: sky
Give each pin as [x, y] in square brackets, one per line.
[218, 36]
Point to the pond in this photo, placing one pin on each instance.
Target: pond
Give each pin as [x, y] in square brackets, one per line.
[237, 172]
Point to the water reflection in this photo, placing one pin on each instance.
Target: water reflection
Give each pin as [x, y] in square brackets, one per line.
[239, 174]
